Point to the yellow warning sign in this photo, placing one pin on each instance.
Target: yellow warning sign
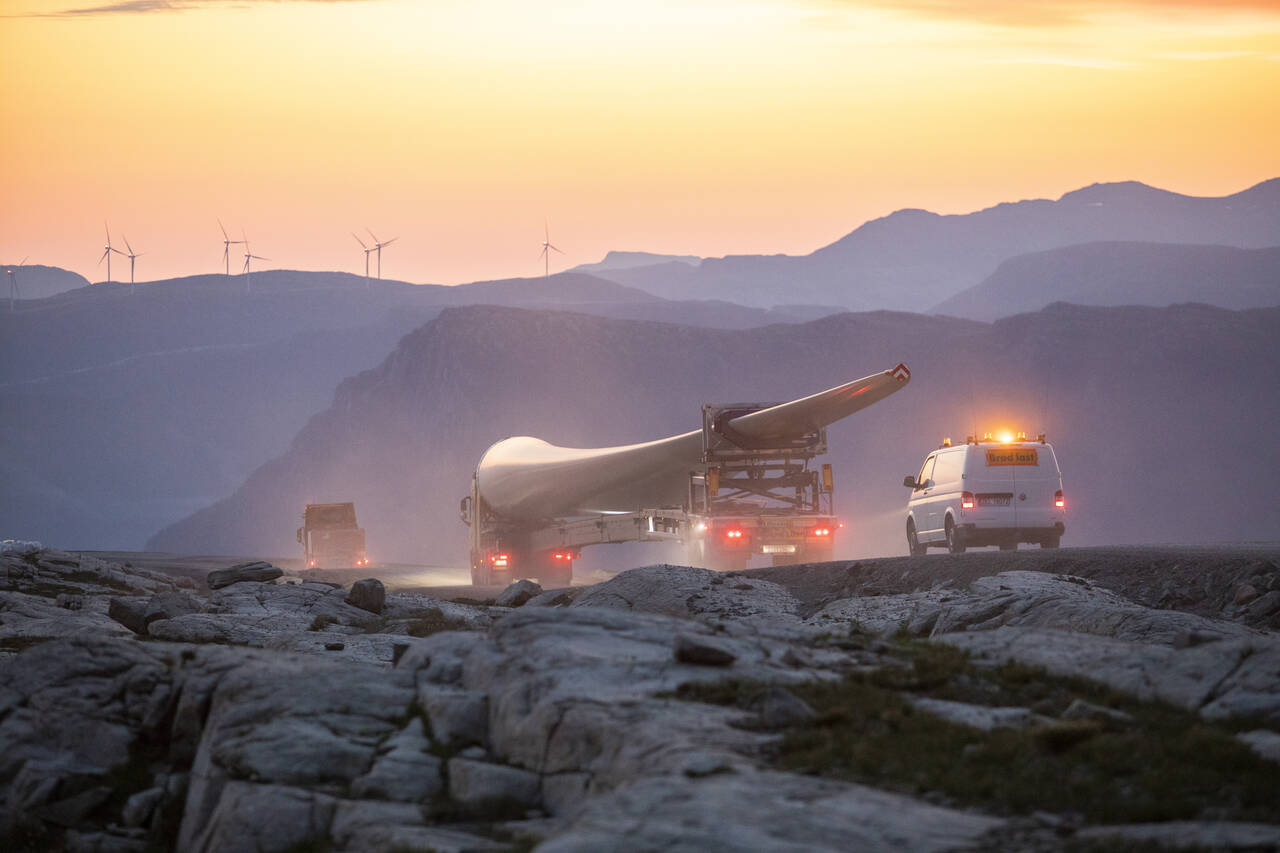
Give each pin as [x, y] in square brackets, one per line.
[1012, 456]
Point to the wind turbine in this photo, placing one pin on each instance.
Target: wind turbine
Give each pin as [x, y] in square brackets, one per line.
[248, 284]
[131, 255]
[227, 243]
[12, 272]
[367, 252]
[547, 249]
[377, 247]
[106, 252]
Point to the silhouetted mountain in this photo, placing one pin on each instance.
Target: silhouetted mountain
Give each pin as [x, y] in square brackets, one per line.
[121, 412]
[1148, 409]
[36, 281]
[1124, 274]
[914, 259]
[626, 260]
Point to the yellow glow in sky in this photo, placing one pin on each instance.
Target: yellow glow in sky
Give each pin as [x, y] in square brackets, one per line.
[702, 127]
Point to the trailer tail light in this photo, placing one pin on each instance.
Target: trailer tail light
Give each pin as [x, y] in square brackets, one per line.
[821, 531]
[733, 533]
[311, 564]
[563, 555]
[1058, 500]
[499, 559]
[966, 500]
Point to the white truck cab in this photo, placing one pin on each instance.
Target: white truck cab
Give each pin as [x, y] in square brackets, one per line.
[986, 492]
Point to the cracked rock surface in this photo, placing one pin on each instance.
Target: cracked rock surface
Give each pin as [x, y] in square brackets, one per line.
[560, 726]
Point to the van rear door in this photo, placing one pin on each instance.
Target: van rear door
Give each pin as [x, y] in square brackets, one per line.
[1037, 480]
[992, 484]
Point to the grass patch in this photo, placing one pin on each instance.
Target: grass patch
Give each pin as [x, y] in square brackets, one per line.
[432, 620]
[1168, 765]
[20, 644]
[321, 622]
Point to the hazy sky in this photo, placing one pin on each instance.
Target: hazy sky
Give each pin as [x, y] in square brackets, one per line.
[699, 126]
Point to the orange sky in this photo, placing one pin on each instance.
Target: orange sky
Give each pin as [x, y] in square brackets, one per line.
[693, 126]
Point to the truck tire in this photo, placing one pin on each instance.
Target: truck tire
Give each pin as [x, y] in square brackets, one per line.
[955, 539]
[914, 546]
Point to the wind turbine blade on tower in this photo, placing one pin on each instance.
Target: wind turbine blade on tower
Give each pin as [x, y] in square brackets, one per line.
[392, 240]
[126, 245]
[225, 236]
[361, 242]
[549, 246]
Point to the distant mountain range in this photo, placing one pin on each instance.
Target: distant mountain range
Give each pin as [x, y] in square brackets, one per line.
[120, 413]
[616, 260]
[1148, 408]
[36, 281]
[1123, 274]
[913, 259]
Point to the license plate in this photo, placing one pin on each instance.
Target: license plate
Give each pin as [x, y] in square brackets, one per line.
[778, 549]
[995, 500]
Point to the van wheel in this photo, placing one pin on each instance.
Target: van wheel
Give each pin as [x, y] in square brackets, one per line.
[1051, 542]
[955, 544]
[914, 548]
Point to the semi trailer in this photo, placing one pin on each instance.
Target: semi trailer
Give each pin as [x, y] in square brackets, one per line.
[330, 537]
[747, 483]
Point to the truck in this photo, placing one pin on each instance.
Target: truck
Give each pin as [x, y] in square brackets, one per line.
[745, 484]
[331, 538]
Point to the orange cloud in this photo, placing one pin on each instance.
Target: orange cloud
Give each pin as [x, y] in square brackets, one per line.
[1058, 13]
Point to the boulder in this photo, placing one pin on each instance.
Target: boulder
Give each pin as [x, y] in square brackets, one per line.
[368, 594]
[518, 593]
[458, 717]
[702, 651]
[257, 571]
[476, 783]
[170, 605]
[129, 612]
[405, 772]
[981, 717]
[763, 811]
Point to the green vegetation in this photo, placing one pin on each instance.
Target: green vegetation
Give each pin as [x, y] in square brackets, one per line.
[431, 620]
[19, 644]
[1168, 764]
[321, 622]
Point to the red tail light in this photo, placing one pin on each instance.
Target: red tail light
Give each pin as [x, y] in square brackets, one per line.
[822, 531]
[1058, 500]
[966, 500]
[733, 533]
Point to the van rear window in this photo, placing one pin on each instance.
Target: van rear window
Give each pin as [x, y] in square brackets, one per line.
[1012, 456]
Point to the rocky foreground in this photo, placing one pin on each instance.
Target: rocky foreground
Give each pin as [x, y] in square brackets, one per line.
[982, 702]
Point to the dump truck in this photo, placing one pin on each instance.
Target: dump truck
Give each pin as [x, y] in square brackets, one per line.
[745, 484]
[330, 537]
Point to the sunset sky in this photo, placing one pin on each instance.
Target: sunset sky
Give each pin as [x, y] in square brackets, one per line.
[703, 127]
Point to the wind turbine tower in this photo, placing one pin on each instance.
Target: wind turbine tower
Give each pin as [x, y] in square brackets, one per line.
[547, 249]
[12, 272]
[377, 247]
[132, 256]
[248, 255]
[367, 252]
[227, 243]
[106, 253]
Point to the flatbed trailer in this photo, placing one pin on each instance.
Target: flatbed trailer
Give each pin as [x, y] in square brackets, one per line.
[746, 498]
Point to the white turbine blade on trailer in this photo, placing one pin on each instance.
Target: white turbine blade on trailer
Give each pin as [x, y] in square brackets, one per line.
[526, 479]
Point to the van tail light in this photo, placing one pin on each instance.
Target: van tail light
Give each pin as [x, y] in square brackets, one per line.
[1058, 500]
[966, 500]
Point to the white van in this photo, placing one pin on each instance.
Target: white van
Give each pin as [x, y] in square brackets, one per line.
[986, 492]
